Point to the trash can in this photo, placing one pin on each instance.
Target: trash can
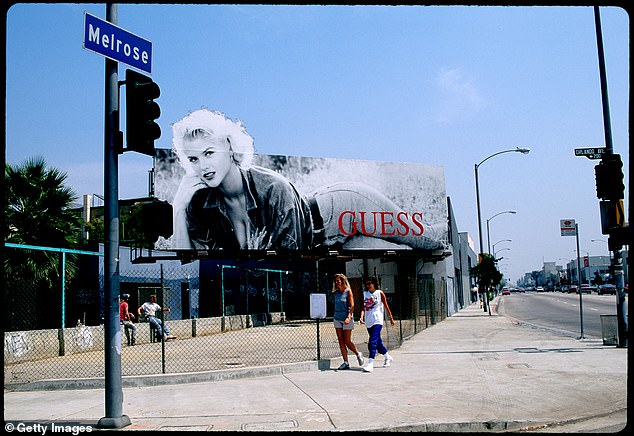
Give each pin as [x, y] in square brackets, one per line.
[609, 329]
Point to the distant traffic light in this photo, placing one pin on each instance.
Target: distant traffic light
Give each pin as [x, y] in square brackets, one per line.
[609, 178]
[141, 111]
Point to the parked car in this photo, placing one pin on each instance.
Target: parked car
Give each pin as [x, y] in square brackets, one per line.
[586, 288]
[606, 289]
[572, 289]
[539, 289]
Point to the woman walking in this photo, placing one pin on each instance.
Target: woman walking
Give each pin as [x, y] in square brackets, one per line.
[344, 319]
[374, 304]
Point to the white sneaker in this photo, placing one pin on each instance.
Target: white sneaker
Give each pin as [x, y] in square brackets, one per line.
[360, 359]
[388, 361]
[369, 367]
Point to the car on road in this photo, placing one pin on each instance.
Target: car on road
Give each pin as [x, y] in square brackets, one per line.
[572, 289]
[606, 289]
[587, 289]
[506, 291]
[539, 289]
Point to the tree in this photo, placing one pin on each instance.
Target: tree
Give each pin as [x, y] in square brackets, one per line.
[37, 212]
[486, 272]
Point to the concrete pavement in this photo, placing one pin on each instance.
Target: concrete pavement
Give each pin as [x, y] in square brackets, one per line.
[470, 372]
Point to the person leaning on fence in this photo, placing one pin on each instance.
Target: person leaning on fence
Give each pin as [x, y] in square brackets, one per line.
[149, 309]
[126, 319]
[372, 313]
[344, 319]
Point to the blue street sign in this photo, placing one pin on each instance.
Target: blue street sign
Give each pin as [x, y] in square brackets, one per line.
[115, 43]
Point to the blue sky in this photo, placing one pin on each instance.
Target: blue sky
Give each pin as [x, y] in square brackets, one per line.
[445, 85]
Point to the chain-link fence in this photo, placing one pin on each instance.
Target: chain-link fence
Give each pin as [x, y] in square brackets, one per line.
[222, 315]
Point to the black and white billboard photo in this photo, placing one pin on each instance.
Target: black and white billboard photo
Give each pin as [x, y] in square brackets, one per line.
[226, 197]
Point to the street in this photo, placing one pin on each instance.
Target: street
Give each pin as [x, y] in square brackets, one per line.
[559, 311]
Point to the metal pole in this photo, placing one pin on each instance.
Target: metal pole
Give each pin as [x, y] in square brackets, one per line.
[617, 261]
[162, 318]
[112, 332]
[579, 281]
[317, 287]
[609, 149]
[488, 237]
[63, 290]
[485, 299]
[268, 306]
[281, 295]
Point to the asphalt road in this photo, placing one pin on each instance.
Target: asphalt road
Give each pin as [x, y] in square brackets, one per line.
[559, 311]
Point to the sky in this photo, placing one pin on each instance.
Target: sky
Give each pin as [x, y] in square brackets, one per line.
[441, 85]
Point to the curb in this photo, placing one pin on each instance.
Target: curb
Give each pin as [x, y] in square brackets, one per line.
[135, 381]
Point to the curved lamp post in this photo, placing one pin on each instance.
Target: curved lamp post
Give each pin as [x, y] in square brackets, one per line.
[513, 150]
[488, 234]
[501, 249]
[502, 240]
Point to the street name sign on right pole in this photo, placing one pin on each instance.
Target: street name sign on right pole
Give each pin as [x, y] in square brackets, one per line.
[591, 152]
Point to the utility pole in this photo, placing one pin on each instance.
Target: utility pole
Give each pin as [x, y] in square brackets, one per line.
[112, 331]
[617, 235]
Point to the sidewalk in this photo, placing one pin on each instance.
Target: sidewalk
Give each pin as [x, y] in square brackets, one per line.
[470, 372]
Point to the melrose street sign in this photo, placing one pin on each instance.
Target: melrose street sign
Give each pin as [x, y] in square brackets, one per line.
[106, 39]
[590, 153]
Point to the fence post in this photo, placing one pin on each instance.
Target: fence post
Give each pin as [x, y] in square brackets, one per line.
[162, 322]
[318, 347]
[60, 338]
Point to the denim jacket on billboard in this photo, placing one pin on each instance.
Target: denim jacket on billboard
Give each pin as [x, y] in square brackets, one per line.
[274, 206]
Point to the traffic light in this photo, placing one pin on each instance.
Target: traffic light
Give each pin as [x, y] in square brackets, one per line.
[156, 218]
[141, 111]
[601, 176]
[609, 178]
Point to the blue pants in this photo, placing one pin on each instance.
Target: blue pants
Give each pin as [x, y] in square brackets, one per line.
[157, 324]
[374, 341]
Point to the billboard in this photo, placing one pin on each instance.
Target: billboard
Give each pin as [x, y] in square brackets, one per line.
[227, 199]
[295, 203]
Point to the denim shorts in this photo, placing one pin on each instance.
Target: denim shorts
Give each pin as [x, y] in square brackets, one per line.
[341, 325]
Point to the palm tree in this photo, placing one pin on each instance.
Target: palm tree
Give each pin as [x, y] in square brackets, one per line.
[37, 212]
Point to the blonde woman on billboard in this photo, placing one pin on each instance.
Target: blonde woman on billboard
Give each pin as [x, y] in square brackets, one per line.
[225, 202]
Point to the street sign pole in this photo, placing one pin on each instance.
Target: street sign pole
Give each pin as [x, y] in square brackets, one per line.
[579, 281]
[112, 331]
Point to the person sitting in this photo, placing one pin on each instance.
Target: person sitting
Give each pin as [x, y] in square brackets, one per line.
[149, 309]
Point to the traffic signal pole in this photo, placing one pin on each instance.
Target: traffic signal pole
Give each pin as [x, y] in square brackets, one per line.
[614, 245]
[112, 331]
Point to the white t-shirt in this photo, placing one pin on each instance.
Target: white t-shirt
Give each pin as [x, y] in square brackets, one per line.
[150, 308]
[373, 308]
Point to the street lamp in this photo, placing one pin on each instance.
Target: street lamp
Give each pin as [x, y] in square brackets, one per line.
[503, 240]
[517, 150]
[488, 234]
[494, 252]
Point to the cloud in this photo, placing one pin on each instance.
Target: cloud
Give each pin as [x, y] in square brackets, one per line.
[458, 97]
